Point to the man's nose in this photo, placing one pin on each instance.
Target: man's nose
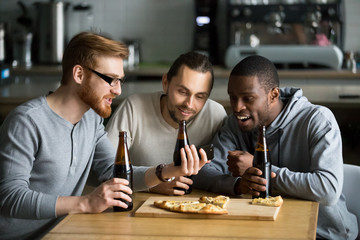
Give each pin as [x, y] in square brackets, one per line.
[189, 101]
[116, 89]
[238, 106]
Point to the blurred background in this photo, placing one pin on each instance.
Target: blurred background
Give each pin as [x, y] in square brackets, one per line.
[162, 29]
[314, 43]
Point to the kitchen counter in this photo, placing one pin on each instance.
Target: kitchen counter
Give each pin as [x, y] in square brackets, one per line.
[320, 86]
[156, 70]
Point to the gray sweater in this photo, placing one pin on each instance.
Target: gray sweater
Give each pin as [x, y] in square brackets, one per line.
[306, 152]
[43, 156]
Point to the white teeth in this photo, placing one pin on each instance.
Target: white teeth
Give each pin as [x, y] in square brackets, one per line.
[242, 117]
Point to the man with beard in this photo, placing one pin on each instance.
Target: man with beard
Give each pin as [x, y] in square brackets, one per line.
[303, 139]
[49, 145]
[152, 119]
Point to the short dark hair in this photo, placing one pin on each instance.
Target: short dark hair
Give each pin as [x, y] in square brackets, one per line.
[259, 66]
[195, 61]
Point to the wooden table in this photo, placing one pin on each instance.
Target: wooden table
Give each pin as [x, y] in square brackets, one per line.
[297, 220]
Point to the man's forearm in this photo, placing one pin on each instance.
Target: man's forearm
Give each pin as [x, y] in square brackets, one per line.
[71, 205]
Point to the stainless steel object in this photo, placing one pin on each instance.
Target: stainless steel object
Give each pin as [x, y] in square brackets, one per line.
[50, 31]
[329, 56]
[79, 18]
[282, 24]
[134, 54]
[2, 43]
[22, 49]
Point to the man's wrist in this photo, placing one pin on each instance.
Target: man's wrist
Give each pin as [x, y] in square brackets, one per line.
[237, 187]
[159, 173]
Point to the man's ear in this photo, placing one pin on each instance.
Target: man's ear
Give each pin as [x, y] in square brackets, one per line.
[274, 94]
[78, 74]
[165, 83]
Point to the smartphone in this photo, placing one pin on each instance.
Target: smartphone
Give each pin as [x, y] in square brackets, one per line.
[209, 150]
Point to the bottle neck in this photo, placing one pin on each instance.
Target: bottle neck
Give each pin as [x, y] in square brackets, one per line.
[261, 142]
[182, 132]
[122, 154]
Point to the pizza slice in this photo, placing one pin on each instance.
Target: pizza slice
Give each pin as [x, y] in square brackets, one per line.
[188, 207]
[269, 201]
[213, 209]
[220, 200]
[203, 206]
[169, 204]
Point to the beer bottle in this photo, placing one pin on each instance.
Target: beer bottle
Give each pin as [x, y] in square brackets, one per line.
[181, 142]
[262, 161]
[123, 168]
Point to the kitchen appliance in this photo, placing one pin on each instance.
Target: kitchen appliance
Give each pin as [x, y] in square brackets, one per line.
[4, 71]
[205, 36]
[21, 39]
[79, 18]
[49, 39]
[2, 43]
[289, 56]
[292, 34]
[133, 61]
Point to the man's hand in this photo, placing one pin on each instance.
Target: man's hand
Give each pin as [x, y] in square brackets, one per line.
[107, 195]
[190, 163]
[167, 188]
[238, 162]
[97, 201]
[251, 182]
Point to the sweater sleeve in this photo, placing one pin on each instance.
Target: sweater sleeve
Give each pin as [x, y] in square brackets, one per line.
[215, 177]
[323, 181]
[18, 145]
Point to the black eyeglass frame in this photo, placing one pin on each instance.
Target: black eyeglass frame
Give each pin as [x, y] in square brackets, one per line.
[110, 80]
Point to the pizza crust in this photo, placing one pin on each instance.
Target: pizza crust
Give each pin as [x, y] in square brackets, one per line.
[269, 201]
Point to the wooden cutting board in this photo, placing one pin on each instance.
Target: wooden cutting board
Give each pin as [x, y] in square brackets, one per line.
[237, 208]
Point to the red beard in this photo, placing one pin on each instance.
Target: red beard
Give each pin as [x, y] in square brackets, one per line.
[96, 102]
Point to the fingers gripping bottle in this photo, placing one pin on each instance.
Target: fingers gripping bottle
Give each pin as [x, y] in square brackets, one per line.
[181, 142]
[123, 168]
[262, 161]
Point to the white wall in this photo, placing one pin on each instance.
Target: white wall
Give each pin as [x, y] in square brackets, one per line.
[352, 25]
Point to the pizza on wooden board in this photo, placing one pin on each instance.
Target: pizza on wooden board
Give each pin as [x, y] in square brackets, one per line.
[205, 205]
[269, 201]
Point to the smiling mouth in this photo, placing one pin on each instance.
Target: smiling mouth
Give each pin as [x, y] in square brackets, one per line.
[243, 118]
[109, 100]
[185, 112]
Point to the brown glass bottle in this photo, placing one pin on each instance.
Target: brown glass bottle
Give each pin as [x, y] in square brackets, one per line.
[262, 161]
[181, 142]
[123, 168]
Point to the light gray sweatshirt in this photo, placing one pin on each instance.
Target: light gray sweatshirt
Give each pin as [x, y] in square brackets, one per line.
[306, 153]
[43, 156]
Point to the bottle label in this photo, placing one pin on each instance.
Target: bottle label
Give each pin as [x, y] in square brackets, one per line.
[260, 147]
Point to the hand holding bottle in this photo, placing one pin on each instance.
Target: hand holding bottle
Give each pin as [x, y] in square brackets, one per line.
[191, 163]
[104, 196]
[114, 192]
[252, 182]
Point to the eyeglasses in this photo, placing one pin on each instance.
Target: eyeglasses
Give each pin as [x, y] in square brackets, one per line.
[110, 80]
